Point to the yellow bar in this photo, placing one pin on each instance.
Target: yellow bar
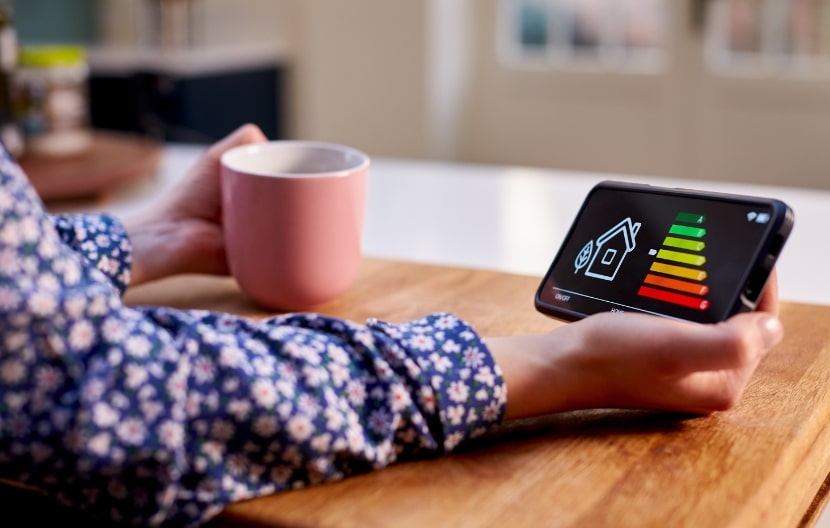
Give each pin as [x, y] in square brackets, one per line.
[679, 256]
[678, 271]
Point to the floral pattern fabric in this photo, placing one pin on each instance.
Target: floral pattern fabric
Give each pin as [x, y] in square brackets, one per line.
[150, 415]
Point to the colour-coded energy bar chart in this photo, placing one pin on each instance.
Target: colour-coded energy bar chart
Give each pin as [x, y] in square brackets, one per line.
[676, 275]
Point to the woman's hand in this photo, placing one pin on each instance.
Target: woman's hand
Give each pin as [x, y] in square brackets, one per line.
[629, 360]
[183, 232]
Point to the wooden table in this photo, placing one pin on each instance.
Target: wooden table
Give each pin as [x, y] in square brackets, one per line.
[763, 463]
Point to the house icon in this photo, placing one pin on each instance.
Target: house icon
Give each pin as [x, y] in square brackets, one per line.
[612, 248]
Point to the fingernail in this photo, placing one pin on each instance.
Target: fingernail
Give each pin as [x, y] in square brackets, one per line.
[772, 331]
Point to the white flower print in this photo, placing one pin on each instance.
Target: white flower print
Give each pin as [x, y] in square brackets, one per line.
[492, 412]
[422, 342]
[8, 261]
[321, 443]
[136, 375]
[29, 230]
[314, 377]
[74, 306]
[485, 375]
[356, 392]
[43, 304]
[446, 322]
[71, 273]
[93, 390]
[213, 450]
[177, 386]
[99, 444]
[453, 440]
[307, 404]
[9, 298]
[113, 330]
[222, 430]
[399, 397]
[98, 305]
[300, 428]
[151, 410]
[451, 347]
[339, 374]
[455, 414]
[203, 369]
[81, 335]
[48, 283]
[440, 362]
[473, 357]
[264, 366]
[355, 438]
[171, 434]
[48, 378]
[426, 396]
[264, 392]
[379, 421]
[138, 346]
[334, 419]
[10, 234]
[266, 426]
[459, 391]
[103, 415]
[12, 372]
[231, 356]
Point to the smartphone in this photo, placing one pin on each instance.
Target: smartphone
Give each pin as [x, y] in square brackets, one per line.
[678, 253]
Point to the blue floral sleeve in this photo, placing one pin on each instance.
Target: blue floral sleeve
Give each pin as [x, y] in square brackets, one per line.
[156, 416]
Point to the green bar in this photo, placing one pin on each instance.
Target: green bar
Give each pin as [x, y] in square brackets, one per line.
[696, 232]
[690, 218]
[685, 258]
[682, 243]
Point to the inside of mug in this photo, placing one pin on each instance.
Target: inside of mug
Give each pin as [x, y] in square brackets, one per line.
[294, 158]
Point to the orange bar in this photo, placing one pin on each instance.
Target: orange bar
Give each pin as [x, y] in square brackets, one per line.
[674, 284]
[678, 271]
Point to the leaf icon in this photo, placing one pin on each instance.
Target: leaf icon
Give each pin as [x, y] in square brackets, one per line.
[584, 256]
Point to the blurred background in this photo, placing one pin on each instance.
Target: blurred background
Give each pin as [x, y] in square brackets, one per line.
[733, 90]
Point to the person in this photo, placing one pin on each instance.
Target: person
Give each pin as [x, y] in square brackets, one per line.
[154, 416]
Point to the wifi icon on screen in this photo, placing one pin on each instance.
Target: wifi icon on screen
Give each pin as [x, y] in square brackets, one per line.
[676, 275]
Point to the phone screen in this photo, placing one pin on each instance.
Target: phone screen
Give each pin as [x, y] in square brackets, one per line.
[681, 254]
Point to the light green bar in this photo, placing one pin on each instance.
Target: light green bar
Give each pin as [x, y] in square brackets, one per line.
[682, 243]
[696, 232]
[685, 258]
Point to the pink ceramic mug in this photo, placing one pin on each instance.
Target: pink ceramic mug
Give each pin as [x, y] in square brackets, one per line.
[293, 214]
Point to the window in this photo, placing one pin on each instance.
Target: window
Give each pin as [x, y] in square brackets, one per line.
[603, 34]
[768, 37]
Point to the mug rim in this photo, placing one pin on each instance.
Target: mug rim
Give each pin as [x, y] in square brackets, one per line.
[227, 159]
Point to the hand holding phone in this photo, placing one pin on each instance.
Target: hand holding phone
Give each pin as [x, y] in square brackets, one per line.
[690, 255]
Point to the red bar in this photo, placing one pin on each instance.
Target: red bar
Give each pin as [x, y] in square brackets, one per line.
[688, 301]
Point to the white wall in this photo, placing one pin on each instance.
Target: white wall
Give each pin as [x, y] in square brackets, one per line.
[360, 73]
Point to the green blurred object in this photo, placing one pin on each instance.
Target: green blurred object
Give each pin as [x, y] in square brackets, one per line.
[51, 56]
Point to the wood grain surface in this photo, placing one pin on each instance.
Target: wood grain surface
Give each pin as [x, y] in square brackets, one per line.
[761, 464]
